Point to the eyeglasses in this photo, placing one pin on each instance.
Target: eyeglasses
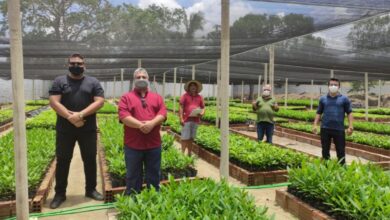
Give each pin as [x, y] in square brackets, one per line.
[333, 84]
[76, 63]
[143, 101]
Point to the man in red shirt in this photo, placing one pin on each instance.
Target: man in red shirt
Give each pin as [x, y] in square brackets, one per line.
[190, 102]
[142, 113]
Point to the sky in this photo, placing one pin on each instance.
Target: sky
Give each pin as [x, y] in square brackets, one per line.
[239, 8]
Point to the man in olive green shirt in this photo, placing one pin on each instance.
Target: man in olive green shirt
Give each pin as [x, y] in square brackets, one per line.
[265, 107]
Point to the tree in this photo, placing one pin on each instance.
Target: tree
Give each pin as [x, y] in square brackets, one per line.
[358, 86]
[192, 23]
[371, 34]
[62, 20]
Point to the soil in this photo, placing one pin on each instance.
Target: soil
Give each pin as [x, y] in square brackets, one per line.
[315, 203]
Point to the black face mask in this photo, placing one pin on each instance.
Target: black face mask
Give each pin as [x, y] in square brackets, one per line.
[76, 70]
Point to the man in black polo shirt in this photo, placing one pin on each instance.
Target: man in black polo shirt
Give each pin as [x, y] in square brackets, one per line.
[76, 98]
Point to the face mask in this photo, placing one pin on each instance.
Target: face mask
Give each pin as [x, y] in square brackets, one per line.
[76, 70]
[266, 93]
[333, 89]
[141, 83]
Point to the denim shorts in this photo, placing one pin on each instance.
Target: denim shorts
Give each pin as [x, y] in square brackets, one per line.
[188, 131]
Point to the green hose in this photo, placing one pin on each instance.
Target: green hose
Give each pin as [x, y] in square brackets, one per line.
[267, 186]
[98, 207]
[77, 210]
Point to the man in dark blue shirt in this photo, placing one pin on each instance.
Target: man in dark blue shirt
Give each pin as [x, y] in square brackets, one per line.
[333, 108]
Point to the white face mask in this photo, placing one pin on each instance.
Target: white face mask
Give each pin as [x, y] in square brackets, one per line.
[333, 89]
[266, 93]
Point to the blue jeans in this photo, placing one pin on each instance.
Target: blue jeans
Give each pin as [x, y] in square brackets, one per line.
[265, 128]
[136, 160]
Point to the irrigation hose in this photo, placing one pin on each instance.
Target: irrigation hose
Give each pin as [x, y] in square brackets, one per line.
[267, 186]
[77, 210]
[98, 207]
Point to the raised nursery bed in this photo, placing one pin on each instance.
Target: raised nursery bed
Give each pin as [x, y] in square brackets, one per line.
[370, 153]
[41, 151]
[250, 178]
[246, 175]
[328, 190]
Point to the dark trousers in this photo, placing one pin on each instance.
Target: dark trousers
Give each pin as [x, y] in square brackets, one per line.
[64, 152]
[265, 128]
[136, 162]
[338, 140]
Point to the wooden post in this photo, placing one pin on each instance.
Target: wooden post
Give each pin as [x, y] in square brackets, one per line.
[43, 89]
[271, 66]
[122, 90]
[331, 73]
[163, 90]
[105, 87]
[285, 93]
[225, 62]
[259, 87]
[232, 94]
[181, 85]
[139, 63]
[174, 91]
[218, 98]
[208, 88]
[19, 118]
[193, 72]
[265, 74]
[312, 95]
[154, 83]
[114, 88]
[366, 95]
[242, 92]
[33, 89]
[380, 93]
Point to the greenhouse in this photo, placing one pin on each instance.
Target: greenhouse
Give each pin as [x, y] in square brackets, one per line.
[100, 116]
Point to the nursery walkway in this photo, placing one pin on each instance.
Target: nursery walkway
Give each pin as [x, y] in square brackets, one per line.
[75, 193]
[303, 147]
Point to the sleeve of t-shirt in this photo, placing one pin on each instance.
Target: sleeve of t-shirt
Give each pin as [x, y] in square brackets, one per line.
[56, 88]
[98, 89]
[163, 109]
[201, 102]
[123, 108]
[320, 108]
[182, 100]
[347, 106]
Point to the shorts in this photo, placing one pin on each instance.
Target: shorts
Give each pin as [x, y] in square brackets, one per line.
[188, 131]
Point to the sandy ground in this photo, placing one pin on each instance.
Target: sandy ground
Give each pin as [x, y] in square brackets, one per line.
[75, 193]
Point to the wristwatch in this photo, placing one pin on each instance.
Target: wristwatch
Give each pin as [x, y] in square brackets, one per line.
[81, 115]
